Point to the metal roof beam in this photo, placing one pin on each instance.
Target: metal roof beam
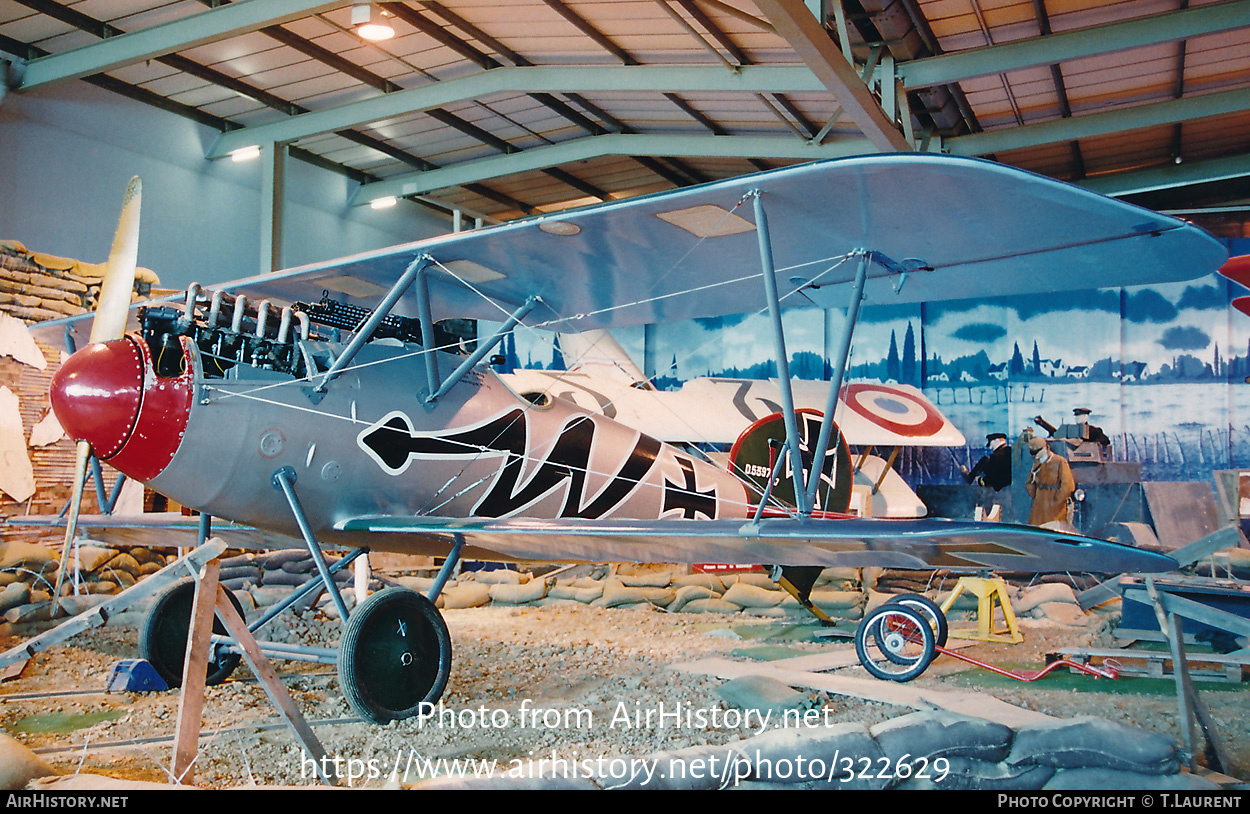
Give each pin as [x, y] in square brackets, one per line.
[659, 78]
[806, 35]
[179, 35]
[615, 144]
[1097, 124]
[1067, 45]
[1169, 176]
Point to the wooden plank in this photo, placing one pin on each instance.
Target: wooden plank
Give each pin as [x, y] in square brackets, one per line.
[194, 672]
[972, 704]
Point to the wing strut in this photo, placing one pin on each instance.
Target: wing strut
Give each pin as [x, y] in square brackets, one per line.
[364, 332]
[801, 498]
[839, 369]
[479, 353]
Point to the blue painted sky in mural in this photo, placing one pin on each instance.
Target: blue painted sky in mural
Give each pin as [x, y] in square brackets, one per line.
[1145, 359]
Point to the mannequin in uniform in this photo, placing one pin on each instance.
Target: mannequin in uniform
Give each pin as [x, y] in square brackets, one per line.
[1088, 431]
[993, 470]
[1050, 485]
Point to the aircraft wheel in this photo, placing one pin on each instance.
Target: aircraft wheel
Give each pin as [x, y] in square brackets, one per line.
[163, 637]
[394, 657]
[895, 642]
[931, 611]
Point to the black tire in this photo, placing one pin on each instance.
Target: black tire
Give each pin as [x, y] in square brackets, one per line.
[937, 619]
[902, 645]
[395, 656]
[163, 637]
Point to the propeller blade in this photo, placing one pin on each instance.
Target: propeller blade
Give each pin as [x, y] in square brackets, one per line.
[110, 323]
[119, 279]
[71, 528]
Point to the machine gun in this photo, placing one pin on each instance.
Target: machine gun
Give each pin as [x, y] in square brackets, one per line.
[1046, 425]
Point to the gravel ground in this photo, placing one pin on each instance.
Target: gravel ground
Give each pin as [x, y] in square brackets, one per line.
[575, 664]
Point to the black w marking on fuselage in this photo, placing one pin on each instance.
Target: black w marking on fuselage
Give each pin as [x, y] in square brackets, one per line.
[393, 445]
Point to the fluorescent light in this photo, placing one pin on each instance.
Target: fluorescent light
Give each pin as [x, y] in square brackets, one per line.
[383, 203]
[245, 153]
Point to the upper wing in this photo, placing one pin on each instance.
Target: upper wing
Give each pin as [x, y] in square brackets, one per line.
[967, 228]
[917, 544]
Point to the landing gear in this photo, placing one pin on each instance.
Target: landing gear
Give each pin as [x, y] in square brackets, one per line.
[394, 657]
[931, 611]
[163, 638]
[895, 642]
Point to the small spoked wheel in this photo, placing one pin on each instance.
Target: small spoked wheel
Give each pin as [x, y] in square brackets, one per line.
[163, 638]
[394, 657]
[930, 610]
[895, 642]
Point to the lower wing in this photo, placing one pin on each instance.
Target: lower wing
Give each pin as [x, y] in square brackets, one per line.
[926, 543]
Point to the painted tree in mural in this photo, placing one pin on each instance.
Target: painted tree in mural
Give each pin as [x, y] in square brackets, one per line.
[1017, 362]
[891, 361]
[557, 357]
[1037, 361]
[909, 356]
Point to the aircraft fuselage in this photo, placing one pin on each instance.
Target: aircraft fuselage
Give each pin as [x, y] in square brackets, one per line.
[370, 444]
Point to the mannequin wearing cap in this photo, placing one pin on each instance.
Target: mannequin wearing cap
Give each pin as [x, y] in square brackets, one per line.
[1087, 430]
[993, 470]
[1050, 485]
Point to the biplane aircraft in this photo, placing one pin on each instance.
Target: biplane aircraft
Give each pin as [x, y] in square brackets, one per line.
[327, 404]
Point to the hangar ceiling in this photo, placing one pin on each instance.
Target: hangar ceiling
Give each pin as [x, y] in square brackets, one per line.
[505, 108]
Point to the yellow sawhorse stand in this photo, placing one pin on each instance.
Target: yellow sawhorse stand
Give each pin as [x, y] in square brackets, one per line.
[986, 590]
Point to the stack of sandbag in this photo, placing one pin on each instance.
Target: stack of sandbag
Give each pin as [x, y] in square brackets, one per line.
[269, 578]
[28, 574]
[35, 287]
[838, 591]
[923, 750]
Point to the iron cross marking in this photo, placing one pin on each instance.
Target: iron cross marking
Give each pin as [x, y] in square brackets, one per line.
[688, 498]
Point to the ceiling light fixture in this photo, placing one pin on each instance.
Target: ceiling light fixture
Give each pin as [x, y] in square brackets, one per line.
[371, 23]
[245, 153]
[383, 203]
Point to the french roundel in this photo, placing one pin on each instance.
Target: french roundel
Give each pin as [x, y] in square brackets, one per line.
[893, 410]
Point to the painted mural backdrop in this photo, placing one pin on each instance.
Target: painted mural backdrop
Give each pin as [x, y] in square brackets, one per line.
[1162, 368]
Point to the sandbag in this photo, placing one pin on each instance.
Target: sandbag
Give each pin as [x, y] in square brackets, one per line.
[501, 576]
[695, 768]
[1090, 779]
[942, 734]
[582, 595]
[92, 557]
[1089, 742]
[1036, 595]
[616, 594]
[689, 593]
[507, 594]
[26, 555]
[768, 695]
[465, 595]
[18, 593]
[966, 774]
[19, 765]
[710, 606]
[647, 579]
[842, 756]
[277, 559]
[751, 596]
[709, 581]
